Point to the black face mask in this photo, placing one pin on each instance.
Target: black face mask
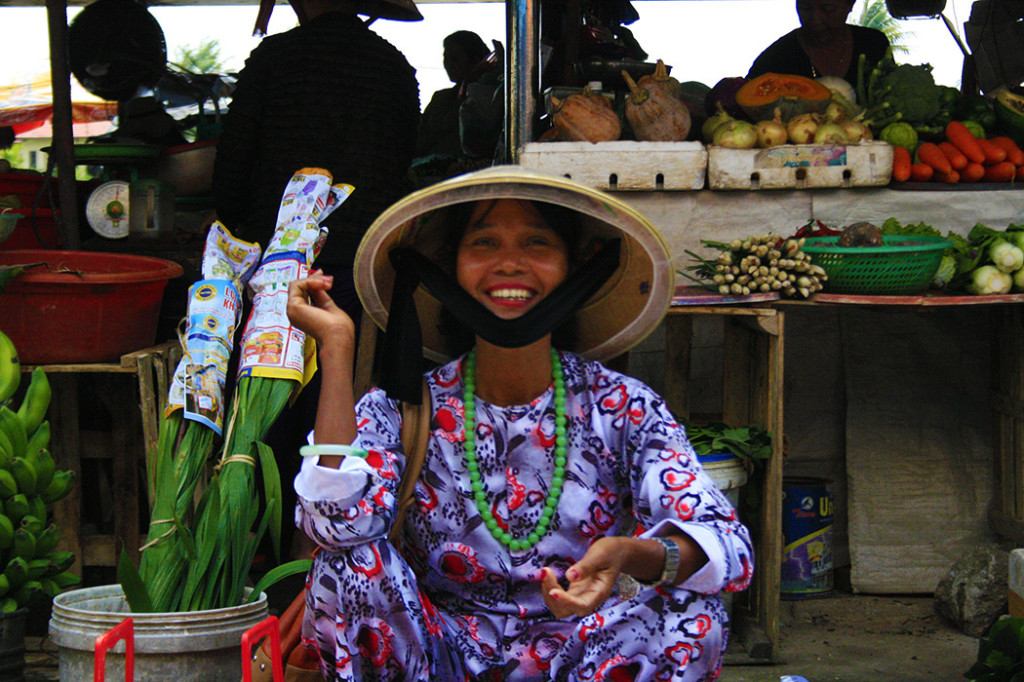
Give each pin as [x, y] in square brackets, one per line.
[401, 377]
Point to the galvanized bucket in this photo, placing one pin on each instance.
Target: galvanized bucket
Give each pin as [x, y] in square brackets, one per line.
[195, 646]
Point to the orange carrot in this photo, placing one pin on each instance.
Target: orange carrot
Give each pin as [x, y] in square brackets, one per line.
[993, 153]
[956, 158]
[972, 172]
[901, 163]
[964, 140]
[929, 152]
[1014, 154]
[1000, 172]
[951, 177]
[921, 172]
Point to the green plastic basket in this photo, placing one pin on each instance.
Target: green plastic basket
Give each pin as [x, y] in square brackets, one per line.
[902, 265]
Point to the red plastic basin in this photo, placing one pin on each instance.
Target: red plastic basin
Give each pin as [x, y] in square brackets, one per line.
[82, 306]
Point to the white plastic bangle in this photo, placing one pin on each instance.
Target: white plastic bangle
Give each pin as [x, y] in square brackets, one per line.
[331, 449]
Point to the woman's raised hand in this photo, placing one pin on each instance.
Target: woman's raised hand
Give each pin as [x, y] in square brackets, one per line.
[311, 309]
[591, 580]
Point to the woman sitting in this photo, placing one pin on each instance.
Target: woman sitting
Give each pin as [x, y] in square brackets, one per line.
[563, 527]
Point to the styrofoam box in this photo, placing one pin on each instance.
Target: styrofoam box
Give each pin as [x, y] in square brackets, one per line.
[1016, 596]
[622, 164]
[800, 166]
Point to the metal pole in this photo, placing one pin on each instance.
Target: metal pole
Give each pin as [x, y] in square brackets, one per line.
[520, 71]
[62, 146]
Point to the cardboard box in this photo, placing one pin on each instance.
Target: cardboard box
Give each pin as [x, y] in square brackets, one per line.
[800, 166]
[622, 165]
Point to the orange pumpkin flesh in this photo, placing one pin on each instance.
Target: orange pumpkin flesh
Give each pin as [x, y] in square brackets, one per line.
[792, 95]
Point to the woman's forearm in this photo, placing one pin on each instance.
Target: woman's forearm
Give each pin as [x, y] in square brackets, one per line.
[645, 559]
[335, 414]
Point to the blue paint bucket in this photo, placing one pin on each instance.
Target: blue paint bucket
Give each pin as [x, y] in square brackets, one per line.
[807, 509]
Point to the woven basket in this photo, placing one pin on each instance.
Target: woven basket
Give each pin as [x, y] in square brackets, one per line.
[902, 265]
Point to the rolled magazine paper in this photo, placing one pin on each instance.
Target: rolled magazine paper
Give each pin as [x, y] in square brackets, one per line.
[214, 311]
[271, 347]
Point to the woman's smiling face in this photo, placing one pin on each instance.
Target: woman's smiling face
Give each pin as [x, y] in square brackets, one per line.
[509, 258]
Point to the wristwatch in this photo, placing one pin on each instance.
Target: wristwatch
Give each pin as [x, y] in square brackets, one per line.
[668, 574]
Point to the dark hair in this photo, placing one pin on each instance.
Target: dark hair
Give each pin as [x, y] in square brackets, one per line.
[565, 223]
[470, 43]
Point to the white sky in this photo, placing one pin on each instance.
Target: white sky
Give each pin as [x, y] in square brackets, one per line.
[703, 40]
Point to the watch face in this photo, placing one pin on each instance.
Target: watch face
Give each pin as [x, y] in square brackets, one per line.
[107, 209]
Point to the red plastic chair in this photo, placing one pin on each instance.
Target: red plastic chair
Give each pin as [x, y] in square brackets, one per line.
[124, 630]
[268, 627]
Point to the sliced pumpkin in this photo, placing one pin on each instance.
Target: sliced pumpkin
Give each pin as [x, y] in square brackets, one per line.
[792, 95]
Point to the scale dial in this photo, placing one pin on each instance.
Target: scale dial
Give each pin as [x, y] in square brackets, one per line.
[107, 209]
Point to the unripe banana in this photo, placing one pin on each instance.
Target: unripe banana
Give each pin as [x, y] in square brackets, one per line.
[44, 465]
[6, 533]
[37, 568]
[39, 439]
[36, 401]
[8, 605]
[15, 507]
[12, 427]
[50, 588]
[65, 579]
[24, 474]
[47, 539]
[59, 487]
[5, 586]
[28, 592]
[24, 544]
[60, 561]
[33, 524]
[8, 486]
[16, 571]
[10, 368]
[36, 507]
[6, 451]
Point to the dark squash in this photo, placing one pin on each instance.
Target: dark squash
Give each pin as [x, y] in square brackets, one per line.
[792, 95]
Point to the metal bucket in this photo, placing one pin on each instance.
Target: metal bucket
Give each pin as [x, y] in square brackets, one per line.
[807, 533]
[196, 646]
[12, 645]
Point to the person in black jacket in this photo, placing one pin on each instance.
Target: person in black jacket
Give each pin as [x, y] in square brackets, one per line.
[328, 94]
[824, 45]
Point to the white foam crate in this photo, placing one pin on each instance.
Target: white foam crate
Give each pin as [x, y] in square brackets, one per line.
[622, 165]
[800, 166]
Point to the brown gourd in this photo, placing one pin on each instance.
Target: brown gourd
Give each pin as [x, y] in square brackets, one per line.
[585, 117]
[661, 79]
[654, 115]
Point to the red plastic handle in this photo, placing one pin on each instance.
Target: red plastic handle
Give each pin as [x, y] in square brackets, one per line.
[124, 630]
[268, 627]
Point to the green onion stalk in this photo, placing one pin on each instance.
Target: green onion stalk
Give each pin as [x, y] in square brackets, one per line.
[230, 520]
[190, 425]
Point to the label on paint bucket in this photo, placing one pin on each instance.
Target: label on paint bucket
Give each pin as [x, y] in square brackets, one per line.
[807, 533]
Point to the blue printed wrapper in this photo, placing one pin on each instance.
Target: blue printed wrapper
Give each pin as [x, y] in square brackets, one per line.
[214, 310]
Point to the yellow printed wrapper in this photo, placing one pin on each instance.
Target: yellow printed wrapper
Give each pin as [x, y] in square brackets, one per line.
[271, 347]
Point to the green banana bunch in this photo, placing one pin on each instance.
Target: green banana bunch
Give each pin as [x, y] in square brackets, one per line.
[8, 486]
[15, 507]
[6, 533]
[36, 401]
[10, 368]
[24, 473]
[38, 439]
[24, 543]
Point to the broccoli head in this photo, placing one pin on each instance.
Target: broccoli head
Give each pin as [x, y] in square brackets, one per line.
[911, 90]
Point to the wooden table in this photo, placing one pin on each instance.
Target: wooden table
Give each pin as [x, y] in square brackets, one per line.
[752, 392]
[107, 395]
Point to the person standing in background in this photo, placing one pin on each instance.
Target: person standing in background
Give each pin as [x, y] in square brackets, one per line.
[823, 45]
[439, 126]
[332, 94]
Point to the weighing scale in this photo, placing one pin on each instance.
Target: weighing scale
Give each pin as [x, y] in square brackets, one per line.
[107, 209]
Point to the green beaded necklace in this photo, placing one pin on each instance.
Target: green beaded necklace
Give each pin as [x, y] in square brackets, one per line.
[557, 478]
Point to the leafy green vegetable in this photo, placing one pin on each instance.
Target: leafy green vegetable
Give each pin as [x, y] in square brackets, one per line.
[1000, 654]
[902, 92]
[712, 437]
[895, 227]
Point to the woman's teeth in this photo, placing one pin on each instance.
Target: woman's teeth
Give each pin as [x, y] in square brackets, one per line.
[511, 294]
